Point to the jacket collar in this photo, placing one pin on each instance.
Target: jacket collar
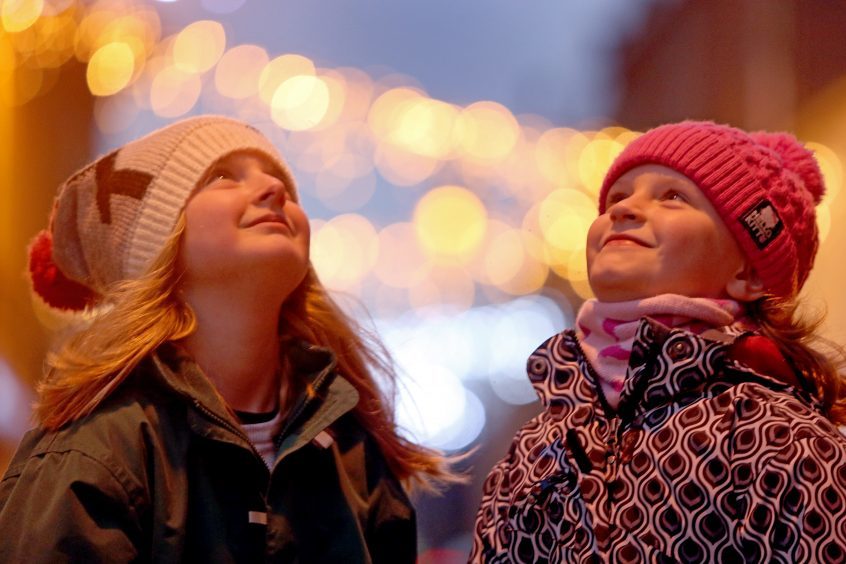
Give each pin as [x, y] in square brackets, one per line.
[668, 365]
[326, 398]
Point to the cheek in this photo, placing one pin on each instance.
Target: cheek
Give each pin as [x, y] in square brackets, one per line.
[301, 222]
[700, 249]
[206, 228]
[594, 237]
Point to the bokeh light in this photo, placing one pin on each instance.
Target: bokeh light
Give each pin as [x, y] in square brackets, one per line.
[441, 353]
[450, 221]
[238, 71]
[423, 126]
[831, 168]
[300, 102]
[401, 262]
[387, 110]
[448, 287]
[110, 69]
[18, 15]
[486, 130]
[595, 159]
[199, 46]
[174, 92]
[564, 217]
[516, 331]
[281, 69]
[403, 168]
[433, 407]
[344, 250]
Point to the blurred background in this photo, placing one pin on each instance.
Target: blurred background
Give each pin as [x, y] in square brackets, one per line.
[448, 154]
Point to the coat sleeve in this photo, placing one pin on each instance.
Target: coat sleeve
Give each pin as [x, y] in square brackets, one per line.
[490, 518]
[392, 522]
[795, 508]
[66, 507]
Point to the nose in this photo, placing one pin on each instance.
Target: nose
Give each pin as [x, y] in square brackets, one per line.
[270, 190]
[626, 209]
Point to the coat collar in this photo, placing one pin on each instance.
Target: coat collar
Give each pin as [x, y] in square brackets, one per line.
[674, 365]
[326, 398]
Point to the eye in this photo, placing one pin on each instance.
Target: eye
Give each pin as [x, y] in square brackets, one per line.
[218, 174]
[674, 195]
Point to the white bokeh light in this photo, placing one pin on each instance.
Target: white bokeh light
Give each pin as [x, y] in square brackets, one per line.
[437, 353]
[521, 326]
[431, 404]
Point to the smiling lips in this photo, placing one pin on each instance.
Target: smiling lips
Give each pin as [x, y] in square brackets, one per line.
[623, 240]
[269, 218]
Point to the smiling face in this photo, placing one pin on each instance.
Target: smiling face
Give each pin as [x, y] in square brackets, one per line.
[243, 222]
[658, 235]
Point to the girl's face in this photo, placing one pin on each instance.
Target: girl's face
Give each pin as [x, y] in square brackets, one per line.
[659, 235]
[243, 222]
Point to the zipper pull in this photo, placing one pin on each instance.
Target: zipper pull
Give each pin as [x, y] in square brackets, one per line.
[611, 453]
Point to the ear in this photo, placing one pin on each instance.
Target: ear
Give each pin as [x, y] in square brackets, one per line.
[745, 285]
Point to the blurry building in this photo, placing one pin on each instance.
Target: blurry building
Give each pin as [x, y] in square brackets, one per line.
[749, 63]
[42, 140]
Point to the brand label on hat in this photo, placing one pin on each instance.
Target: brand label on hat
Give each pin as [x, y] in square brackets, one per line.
[762, 222]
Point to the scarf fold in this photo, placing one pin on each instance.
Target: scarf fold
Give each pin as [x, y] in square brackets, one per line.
[606, 330]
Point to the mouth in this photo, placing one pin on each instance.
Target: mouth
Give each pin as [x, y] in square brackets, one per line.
[620, 240]
[270, 218]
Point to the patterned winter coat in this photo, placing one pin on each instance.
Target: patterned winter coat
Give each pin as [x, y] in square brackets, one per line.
[704, 460]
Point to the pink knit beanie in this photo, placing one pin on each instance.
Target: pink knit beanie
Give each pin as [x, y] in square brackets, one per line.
[111, 219]
[765, 186]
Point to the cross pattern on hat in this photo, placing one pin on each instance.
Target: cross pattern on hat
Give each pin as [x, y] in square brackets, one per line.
[127, 182]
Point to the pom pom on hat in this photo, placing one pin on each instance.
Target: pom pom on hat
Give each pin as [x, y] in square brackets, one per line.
[795, 158]
[48, 281]
[763, 185]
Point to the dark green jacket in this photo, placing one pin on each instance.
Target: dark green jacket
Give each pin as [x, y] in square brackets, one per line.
[162, 472]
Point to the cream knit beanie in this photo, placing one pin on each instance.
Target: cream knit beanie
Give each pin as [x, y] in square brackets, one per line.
[111, 219]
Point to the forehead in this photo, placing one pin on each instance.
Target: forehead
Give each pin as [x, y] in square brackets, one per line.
[654, 173]
[249, 157]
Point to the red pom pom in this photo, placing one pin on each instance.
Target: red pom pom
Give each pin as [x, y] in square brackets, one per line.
[796, 158]
[48, 281]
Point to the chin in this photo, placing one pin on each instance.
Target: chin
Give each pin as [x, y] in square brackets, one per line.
[605, 291]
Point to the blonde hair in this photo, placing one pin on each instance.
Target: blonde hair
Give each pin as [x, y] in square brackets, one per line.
[312, 315]
[147, 312]
[818, 360]
[139, 316]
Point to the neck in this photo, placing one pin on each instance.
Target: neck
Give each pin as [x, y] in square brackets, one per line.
[236, 344]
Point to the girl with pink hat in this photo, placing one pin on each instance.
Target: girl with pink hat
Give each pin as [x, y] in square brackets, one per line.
[691, 415]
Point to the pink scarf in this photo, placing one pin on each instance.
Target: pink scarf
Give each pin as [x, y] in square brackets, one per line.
[606, 330]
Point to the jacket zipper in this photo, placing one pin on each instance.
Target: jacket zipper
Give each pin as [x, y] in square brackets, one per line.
[612, 454]
[227, 425]
[612, 446]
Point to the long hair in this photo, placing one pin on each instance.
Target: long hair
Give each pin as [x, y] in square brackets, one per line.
[140, 315]
[819, 360]
[147, 312]
[311, 314]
